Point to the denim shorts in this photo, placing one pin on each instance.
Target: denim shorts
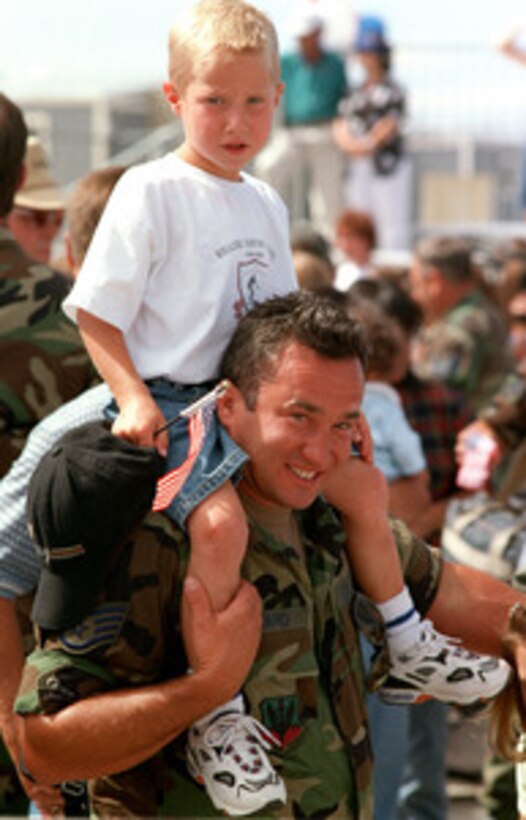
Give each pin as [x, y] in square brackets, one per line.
[219, 459]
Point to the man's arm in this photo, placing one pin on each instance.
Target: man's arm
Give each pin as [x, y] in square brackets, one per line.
[475, 607]
[12, 655]
[12, 659]
[114, 731]
[510, 48]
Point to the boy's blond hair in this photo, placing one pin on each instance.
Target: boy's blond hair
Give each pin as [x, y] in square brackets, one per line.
[213, 24]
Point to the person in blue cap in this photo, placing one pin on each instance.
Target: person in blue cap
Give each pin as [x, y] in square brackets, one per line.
[315, 83]
[370, 130]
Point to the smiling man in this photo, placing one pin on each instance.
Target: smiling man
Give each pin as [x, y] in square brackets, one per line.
[295, 365]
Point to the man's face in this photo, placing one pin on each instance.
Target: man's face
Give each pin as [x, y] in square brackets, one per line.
[421, 286]
[35, 230]
[302, 426]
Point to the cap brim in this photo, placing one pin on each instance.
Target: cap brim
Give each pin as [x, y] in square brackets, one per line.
[42, 199]
[62, 601]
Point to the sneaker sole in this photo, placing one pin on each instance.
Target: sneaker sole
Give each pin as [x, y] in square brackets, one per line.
[272, 805]
[403, 698]
[398, 698]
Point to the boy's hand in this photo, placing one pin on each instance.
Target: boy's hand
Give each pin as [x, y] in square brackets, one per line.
[359, 491]
[138, 421]
[363, 440]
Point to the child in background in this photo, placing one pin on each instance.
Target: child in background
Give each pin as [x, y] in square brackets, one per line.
[398, 450]
[355, 238]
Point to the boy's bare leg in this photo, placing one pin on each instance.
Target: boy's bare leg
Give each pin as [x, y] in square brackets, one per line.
[424, 663]
[218, 536]
[360, 492]
[226, 749]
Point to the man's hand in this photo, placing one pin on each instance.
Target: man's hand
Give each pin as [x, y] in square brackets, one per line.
[221, 646]
[47, 798]
[477, 451]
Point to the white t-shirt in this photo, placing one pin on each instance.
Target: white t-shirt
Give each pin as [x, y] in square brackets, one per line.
[178, 257]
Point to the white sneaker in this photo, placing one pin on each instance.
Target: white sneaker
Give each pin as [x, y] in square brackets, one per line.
[228, 757]
[437, 667]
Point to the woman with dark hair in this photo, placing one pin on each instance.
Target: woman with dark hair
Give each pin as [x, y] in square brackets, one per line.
[370, 130]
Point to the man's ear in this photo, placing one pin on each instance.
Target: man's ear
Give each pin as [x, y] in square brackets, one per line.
[280, 88]
[435, 281]
[22, 177]
[228, 405]
[70, 258]
[170, 92]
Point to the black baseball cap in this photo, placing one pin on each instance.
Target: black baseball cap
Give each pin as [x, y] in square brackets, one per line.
[88, 492]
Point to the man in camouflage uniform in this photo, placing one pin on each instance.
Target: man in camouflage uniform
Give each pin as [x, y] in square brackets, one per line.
[306, 684]
[42, 365]
[463, 343]
[43, 360]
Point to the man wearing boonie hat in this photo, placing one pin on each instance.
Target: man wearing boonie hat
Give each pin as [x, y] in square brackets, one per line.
[38, 210]
[315, 83]
[42, 365]
[43, 362]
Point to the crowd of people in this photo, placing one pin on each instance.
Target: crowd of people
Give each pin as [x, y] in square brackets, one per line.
[228, 452]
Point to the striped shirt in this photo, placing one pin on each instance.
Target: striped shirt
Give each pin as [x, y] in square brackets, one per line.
[19, 562]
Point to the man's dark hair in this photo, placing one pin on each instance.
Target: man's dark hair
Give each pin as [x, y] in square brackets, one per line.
[451, 256]
[315, 321]
[13, 138]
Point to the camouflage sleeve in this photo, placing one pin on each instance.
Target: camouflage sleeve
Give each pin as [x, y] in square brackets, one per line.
[421, 565]
[129, 639]
[43, 360]
[52, 680]
[448, 354]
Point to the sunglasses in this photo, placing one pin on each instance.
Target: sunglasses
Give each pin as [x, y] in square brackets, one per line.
[42, 219]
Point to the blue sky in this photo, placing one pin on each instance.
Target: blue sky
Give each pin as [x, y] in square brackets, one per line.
[78, 48]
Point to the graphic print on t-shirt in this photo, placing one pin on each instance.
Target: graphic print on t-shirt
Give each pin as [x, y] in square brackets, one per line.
[248, 287]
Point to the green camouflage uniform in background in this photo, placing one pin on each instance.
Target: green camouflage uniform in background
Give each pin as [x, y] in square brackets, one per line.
[306, 684]
[43, 362]
[13, 799]
[506, 412]
[466, 349]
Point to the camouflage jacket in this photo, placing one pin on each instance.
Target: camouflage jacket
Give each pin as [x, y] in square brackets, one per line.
[43, 362]
[507, 411]
[466, 349]
[306, 684]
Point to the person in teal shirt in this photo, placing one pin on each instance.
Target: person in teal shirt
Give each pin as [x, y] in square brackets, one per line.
[315, 83]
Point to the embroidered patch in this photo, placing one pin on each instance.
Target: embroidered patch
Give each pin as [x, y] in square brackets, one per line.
[279, 619]
[99, 629]
[281, 717]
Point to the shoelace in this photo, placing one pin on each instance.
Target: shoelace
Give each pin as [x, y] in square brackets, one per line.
[238, 730]
[429, 637]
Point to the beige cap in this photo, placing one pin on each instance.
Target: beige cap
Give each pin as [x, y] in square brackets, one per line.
[306, 23]
[39, 191]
